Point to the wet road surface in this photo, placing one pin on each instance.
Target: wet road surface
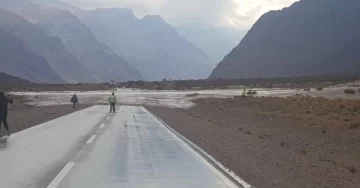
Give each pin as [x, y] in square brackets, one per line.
[33, 157]
[92, 149]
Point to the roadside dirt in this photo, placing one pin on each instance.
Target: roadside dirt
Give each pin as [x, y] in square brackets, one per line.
[296, 142]
[22, 116]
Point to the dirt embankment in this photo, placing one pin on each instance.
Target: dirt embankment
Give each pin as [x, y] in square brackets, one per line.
[277, 142]
[22, 116]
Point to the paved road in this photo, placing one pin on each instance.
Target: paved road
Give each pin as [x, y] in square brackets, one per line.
[92, 149]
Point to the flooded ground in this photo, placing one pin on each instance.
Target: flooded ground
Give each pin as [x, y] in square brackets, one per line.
[176, 99]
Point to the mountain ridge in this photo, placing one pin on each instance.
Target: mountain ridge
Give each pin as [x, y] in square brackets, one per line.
[302, 40]
[20, 61]
[97, 60]
[7, 79]
[51, 48]
[145, 43]
[151, 45]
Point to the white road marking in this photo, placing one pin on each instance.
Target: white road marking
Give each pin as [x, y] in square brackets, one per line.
[61, 175]
[108, 118]
[91, 139]
[102, 126]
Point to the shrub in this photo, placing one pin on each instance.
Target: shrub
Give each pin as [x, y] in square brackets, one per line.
[303, 151]
[349, 91]
[352, 169]
[193, 95]
[320, 89]
[355, 125]
[282, 144]
[159, 87]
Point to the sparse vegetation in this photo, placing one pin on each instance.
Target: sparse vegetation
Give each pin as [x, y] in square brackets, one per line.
[312, 112]
[352, 169]
[193, 95]
[282, 144]
[354, 125]
[292, 82]
[303, 151]
[349, 91]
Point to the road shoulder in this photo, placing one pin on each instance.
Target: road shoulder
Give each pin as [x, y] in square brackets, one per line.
[268, 152]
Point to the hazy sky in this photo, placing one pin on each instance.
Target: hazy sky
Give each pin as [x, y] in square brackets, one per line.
[240, 14]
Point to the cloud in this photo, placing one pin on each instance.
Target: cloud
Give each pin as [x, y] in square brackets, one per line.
[239, 14]
[140, 7]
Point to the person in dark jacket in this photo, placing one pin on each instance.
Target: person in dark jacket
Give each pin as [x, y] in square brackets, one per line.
[74, 100]
[4, 101]
[112, 101]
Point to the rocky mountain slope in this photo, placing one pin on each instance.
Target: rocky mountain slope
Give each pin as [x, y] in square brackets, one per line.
[216, 42]
[150, 44]
[97, 59]
[51, 48]
[309, 38]
[6, 79]
[79, 40]
[18, 60]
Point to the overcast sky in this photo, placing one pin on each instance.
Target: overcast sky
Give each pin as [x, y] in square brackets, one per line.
[239, 14]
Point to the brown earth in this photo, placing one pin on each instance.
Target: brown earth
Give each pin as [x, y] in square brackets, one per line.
[297, 142]
[22, 116]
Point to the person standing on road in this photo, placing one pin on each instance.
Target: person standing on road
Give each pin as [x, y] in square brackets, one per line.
[112, 101]
[243, 95]
[4, 101]
[74, 100]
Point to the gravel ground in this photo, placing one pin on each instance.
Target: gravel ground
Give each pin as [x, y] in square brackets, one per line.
[22, 116]
[277, 142]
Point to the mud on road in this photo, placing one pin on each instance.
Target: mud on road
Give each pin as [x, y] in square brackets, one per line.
[290, 142]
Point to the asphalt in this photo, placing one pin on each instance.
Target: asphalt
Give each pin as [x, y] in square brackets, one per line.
[94, 149]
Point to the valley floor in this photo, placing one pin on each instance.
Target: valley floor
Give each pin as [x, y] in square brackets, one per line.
[271, 142]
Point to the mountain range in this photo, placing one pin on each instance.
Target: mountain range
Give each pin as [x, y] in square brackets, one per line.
[152, 46]
[13, 80]
[309, 38]
[49, 41]
[105, 44]
[18, 60]
[217, 42]
[77, 56]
